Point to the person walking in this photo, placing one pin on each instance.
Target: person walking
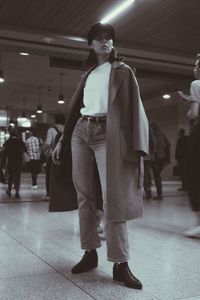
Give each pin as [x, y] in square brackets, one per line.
[14, 148]
[53, 135]
[107, 130]
[193, 157]
[161, 157]
[148, 166]
[180, 156]
[33, 144]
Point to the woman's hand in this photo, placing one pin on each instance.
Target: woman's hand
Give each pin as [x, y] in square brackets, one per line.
[56, 153]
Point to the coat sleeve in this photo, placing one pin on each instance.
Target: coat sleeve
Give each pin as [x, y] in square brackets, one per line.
[140, 121]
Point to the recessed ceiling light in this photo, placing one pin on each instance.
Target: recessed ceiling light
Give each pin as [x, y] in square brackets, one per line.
[39, 109]
[24, 53]
[166, 96]
[61, 101]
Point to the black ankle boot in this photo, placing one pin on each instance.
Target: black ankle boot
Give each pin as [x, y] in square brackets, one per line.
[89, 261]
[17, 196]
[121, 272]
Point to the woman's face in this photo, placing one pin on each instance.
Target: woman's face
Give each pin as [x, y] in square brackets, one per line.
[102, 44]
[197, 69]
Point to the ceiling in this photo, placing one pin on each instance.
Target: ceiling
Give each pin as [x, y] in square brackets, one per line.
[159, 38]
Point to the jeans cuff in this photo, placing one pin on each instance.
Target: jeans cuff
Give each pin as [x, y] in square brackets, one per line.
[120, 260]
[90, 247]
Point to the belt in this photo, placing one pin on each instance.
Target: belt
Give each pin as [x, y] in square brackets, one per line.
[94, 119]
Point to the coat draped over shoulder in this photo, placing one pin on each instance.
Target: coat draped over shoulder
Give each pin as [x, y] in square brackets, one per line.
[127, 142]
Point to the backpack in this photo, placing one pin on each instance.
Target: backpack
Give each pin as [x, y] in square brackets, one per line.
[57, 137]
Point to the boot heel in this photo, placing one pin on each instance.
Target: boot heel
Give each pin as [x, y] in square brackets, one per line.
[116, 277]
[116, 274]
[122, 273]
[88, 262]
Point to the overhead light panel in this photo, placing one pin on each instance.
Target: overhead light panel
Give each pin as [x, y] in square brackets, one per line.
[24, 53]
[72, 38]
[116, 11]
[23, 122]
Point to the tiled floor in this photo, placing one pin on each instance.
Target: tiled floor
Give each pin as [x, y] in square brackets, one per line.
[38, 249]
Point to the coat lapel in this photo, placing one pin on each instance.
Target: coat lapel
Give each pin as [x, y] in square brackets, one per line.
[116, 77]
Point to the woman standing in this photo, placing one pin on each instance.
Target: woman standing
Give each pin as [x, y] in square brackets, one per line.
[108, 131]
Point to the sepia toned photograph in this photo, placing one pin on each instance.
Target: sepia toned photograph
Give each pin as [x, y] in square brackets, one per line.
[99, 150]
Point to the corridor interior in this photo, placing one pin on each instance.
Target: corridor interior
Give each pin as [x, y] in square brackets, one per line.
[38, 250]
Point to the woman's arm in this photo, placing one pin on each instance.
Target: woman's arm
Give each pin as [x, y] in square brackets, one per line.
[193, 111]
[185, 97]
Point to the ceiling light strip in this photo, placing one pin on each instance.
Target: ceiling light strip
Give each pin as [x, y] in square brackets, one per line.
[116, 11]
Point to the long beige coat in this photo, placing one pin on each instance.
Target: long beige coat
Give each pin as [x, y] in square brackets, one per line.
[127, 141]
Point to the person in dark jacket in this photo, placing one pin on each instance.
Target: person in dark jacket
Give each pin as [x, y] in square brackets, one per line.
[180, 156]
[148, 165]
[13, 152]
[53, 135]
[161, 157]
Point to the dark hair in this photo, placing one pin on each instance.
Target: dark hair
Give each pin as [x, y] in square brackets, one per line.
[91, 60]
[14, 132]
[60, 119]
[32, 131]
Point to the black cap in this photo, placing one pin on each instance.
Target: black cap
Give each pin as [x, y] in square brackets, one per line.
[99, 28]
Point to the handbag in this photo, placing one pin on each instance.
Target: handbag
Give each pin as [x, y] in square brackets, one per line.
[26, 158]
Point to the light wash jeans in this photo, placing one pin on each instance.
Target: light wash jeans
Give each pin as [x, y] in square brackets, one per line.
[88, 146]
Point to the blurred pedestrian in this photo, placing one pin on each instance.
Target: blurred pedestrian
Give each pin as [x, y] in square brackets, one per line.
[193, 157]
[180, 156]
[53, 135]
[161, 157]
[14, 148]
[148, 165]
[33, 144]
